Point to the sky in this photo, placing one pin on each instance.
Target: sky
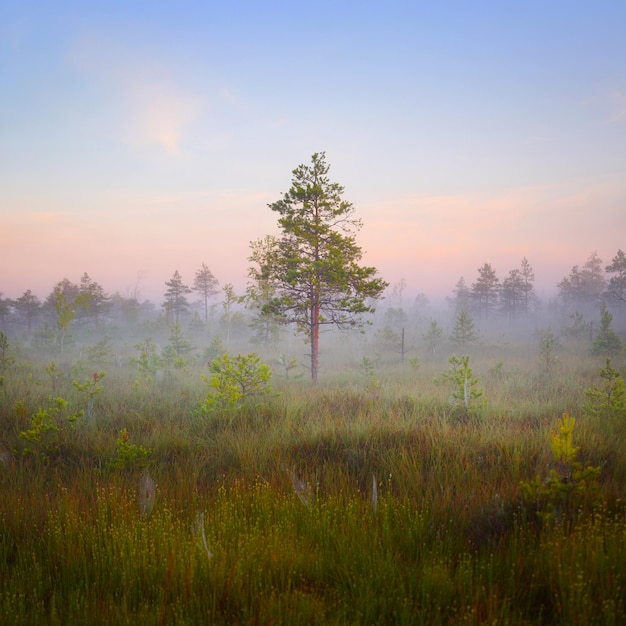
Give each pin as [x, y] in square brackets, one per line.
[141, 138]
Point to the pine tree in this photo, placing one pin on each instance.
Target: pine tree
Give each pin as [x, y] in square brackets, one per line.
[66, 308]
[486, 290]
[316, 271]
[512, 294]
[462, 296]
[5, 307]
[28, 305]
[206, 285]
[606, 341]
[464, 330]
[261, 291]
[175, 297]
[228, 308]
[528, 278]
[616, 288]
[99, 302]
[433, 336]
[593, 279]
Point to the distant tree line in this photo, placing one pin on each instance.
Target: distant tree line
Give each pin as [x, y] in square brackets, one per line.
[584, 289]
[588, 287]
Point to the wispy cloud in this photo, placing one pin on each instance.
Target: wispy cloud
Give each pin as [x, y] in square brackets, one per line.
[155, 108]
[116, 235]
[161, 115]
[432, 240]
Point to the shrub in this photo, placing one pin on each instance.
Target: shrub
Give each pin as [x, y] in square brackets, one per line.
[549, 345]
[129, 456]
[47, 427]
[569, 487]
[463, 382]
[235, 381]
[610, 401]
[607, 341]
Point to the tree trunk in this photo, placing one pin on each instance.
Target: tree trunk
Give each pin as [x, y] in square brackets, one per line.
[315, 341]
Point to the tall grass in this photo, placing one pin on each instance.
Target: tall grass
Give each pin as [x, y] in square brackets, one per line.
[226, 536]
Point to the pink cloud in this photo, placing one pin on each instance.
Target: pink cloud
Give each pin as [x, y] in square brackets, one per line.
[433, 240]
[429, 240]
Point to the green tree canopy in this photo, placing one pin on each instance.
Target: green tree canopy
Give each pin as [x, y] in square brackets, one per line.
[206, 285]
[176, 297]
[28, 305]
[316, 269]
[582, 289]
[464, 330]
[66, 309]
[486, 290]
[606, 341]
[616, 289]
[261, 291]
[99, 301]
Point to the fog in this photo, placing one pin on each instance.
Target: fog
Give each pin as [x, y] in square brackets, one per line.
[403, 329]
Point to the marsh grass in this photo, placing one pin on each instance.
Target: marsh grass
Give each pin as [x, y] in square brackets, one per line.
[448, 541]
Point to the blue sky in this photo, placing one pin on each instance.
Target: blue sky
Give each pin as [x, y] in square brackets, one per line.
[139, 138]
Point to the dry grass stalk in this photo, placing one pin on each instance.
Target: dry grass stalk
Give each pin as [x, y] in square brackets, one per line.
[200, 529]
[374, 494]
[6, 458]
[300, 487]
[146, 494]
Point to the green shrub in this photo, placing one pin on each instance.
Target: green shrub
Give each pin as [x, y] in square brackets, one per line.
[47, 427]
[462, 380]
[236, 381]
[610, 401]
[129, 456]
[607, 341]
[569, 487]
[148, 362]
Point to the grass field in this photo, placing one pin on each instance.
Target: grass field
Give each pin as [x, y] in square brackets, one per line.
[370, 499]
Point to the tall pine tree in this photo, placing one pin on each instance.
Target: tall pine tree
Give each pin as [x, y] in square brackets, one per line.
[316, 270]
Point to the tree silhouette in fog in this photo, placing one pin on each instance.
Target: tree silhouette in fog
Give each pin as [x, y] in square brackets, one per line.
[175, 297]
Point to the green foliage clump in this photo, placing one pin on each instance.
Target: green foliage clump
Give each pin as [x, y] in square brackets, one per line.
[129, 456]
[47, 427]
[6, 357]
[288, 365]
[549, 346]
[415, 362]
[91, 387]
[464, 330]
[178, 348]
[607, 341]
[101, 352]
[463, 382]
[610, 401]
[55, 375]
[569, 486]
[235, 381]
[149, 361]
[387, 338]
[433, 336]
[368, 368]
[214, 349]
[578, 328]
[66, 310]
